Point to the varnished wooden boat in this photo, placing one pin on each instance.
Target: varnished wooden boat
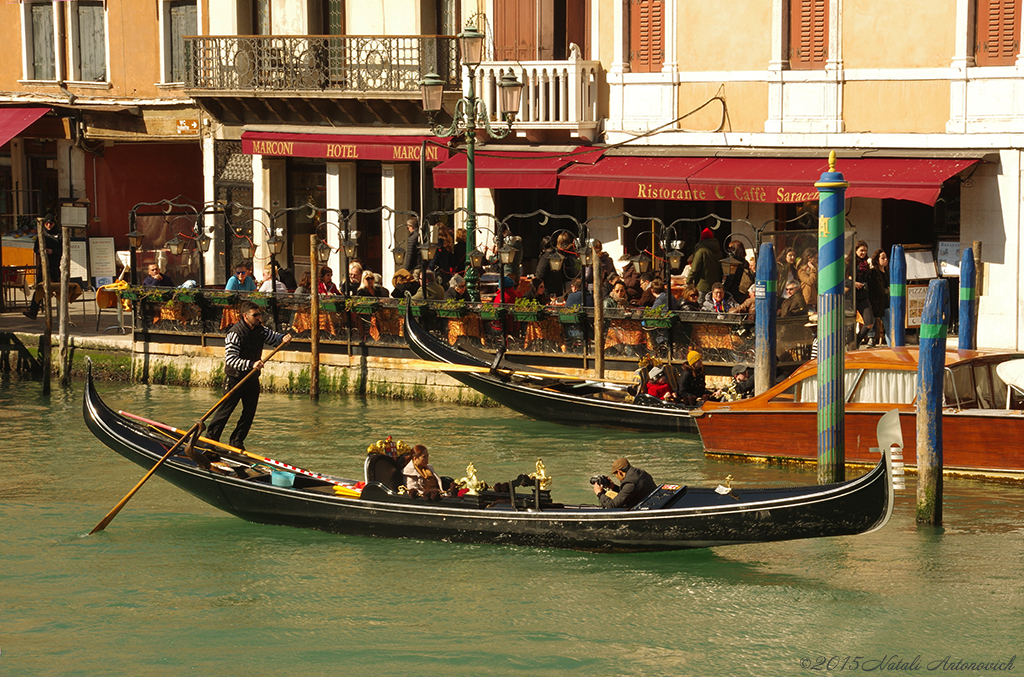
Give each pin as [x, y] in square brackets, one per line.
[673, 517]
[982, 421]
[554, 398]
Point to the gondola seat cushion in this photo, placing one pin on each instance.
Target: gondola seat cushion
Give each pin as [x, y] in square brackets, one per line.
[386, 470]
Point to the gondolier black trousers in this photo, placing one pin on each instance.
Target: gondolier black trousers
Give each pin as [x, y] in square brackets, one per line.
[249, 396]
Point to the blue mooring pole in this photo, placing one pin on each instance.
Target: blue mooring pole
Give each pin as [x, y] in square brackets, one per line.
[968, 303]
[765, 318]
[897, 297]
[931, 364]
[831, 324]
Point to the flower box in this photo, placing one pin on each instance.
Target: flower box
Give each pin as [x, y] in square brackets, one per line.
[571, 316]
[220, 298]
[491, 313]
[129, 294]
[364, 307]
[526, 315]
[261, 301]
[450, 312]
[332, 306]
[184, 297]
[659, 322]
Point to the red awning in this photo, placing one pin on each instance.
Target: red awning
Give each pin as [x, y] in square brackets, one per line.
[344, 146]
[792, 179]
[14, 121]
[500, 169]
[759, 179]
[646, 178]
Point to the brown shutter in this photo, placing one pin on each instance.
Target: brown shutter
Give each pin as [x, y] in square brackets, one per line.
[997, 34]
[515, 30]
[646, 35]
[808, 34]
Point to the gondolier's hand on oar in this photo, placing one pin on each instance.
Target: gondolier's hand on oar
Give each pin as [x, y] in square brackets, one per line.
[259, 363]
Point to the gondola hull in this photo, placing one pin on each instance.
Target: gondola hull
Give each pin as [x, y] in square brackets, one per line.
[552, 399]
[698, 518]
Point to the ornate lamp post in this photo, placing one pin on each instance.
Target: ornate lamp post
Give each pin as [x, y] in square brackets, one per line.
[135, 239]
[470, 114]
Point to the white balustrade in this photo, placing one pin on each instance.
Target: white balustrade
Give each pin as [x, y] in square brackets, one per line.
[556, 94]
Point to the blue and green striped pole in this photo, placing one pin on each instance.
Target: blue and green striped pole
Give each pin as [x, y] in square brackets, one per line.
[831, 321]
[766, 294]
[968, 303]
[898, 297]
[931, 364]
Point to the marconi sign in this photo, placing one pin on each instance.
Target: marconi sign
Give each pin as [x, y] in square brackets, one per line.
[385, 149]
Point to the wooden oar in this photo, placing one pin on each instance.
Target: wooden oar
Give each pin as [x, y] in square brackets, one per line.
[117, 508]
[444, 366]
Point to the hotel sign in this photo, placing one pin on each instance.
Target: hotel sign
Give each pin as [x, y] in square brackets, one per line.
[336, 147]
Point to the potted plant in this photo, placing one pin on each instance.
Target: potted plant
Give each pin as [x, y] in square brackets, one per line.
[658, 317]
[220, 298]
[527, 310]
[452, 308]
[363, 305]
[490, 312]
[571, 314]
[261, 299]
[180, 295]
[332, 303]
[129, 293]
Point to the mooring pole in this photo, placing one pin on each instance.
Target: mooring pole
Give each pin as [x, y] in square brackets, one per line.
[314, 322]
[979, 271]
[931, 364]
[595, 259]
[46, 341]
[968, 304]
[898, 297]
[831, 324]
[766, 293]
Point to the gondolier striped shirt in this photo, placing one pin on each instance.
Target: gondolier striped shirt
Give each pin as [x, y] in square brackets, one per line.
[243, 347]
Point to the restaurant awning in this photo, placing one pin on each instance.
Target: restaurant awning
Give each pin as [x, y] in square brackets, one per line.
[14, 121]
[501, 169]
[340, 147]
[759, 179]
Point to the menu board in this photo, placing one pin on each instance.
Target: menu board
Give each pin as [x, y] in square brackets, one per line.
[920, 264]
[949, 253]
[101, 253]
[916, 295]
[79, 261]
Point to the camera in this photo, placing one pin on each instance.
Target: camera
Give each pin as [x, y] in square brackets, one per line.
[601, 480]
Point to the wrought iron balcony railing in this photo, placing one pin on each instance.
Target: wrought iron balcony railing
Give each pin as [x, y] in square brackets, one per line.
[308, 63]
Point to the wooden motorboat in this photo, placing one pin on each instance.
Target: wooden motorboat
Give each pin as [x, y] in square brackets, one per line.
[550, 396]
[670, 518]
[982, 421]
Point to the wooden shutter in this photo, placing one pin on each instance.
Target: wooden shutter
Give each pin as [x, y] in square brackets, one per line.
[646, 35]
[43, 63]
[808, 34]
[997, 34]
[92, 42]
[515, 30]
[184, 21]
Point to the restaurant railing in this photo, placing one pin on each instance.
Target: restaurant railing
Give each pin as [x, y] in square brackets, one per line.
[722, 340]
[357, 63]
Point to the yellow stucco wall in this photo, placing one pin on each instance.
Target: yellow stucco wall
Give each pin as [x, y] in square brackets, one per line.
[905, 34]
[913, 107]
[724, 36]
[746, 105]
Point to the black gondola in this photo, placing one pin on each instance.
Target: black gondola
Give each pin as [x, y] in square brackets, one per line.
[558, 399]
[671, 518]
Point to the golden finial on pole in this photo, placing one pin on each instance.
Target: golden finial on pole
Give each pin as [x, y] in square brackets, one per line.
[831, 160]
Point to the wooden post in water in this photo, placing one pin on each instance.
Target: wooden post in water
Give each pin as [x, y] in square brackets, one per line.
[897, 297]
[314, 322]
[931, 364]
[766, 293]
[595, 259]
[45, 343]
[979, 270]
[831, 324]
[968, 304]
[64, 309]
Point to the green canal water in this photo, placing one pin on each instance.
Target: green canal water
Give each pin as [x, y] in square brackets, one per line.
[174, 587]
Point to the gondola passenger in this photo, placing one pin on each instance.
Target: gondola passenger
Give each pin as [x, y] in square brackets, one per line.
[420, 477]
[634, 486]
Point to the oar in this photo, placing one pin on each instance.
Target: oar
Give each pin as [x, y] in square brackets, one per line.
[117, 508]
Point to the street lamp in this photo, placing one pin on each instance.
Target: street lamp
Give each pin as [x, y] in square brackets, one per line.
[135, 239]
[469, 115]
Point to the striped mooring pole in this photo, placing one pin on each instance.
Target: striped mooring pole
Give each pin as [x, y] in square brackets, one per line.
[931, 365]
[966, 333]
[831, 324]
[897, 297]
[766, 293]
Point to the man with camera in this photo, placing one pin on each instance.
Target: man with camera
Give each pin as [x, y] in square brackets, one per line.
[634, 486]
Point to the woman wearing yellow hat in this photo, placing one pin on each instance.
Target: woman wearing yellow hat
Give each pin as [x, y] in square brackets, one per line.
[692, 386]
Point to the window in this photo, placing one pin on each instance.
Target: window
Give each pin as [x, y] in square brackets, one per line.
[808, 34]
[42, 64]
[183, 21]
[89, 40]
[646, 35]
[997, 32]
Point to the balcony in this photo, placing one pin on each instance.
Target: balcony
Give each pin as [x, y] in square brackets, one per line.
[557, 95]
[317, 79]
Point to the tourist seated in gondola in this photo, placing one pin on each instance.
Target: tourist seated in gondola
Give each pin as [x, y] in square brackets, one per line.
[742, 385]
[692, 383]
[658, 386]
[420, 477]
[634, 486]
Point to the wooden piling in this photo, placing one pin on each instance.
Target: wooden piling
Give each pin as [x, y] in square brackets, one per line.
[967, 333]
[931, 366]
[766, 293]
[314, 322]
[897, 297]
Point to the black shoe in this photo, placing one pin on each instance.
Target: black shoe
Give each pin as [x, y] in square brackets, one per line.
[29, 314]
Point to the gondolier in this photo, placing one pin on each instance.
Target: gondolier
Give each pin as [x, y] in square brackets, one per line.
[243, 350]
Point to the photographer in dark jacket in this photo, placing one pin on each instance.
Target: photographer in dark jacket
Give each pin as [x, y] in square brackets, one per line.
[634, 486]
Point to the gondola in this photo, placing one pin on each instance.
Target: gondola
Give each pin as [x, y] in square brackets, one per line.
[555, 398]
[672, 518]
